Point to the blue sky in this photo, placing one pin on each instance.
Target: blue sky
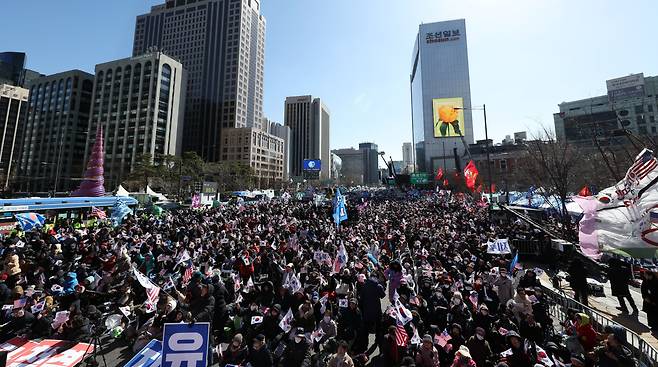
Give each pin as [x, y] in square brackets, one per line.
[525, 56]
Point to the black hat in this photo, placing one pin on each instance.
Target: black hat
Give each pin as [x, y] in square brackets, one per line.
[260, 338]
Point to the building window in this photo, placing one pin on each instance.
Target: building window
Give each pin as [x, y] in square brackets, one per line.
[641, 120]
[650, 108]
[639, 109]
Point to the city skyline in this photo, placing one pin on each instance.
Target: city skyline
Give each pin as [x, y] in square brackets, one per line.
[524, 58]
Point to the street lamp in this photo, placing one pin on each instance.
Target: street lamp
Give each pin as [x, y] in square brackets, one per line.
[486, 137]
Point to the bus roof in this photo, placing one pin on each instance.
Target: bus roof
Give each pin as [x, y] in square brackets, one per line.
[42, 204]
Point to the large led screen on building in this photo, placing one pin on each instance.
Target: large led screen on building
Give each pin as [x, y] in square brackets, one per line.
[448, 117]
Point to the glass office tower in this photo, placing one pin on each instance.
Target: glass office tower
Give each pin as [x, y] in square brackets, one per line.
[439, 78]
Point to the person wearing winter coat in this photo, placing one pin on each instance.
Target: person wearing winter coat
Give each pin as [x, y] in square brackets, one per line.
[427, 355]
[341, 358]
[479, 347]
[619, 274]
[236, 353]
[260, 355]
[298, 353]
[370, 302]
[578, 280]
[614, 354]
[505, 287]
[522, 305]
[463, 358]
[650, 299]
[519, 356]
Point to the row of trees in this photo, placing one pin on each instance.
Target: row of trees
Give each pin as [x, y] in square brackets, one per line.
[561, 168]
[176, 175]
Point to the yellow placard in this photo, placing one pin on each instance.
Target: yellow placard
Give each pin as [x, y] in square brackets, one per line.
[448, 117]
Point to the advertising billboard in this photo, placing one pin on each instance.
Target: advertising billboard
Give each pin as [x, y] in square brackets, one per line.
[312, 165]
[631, 86]
[448, 117]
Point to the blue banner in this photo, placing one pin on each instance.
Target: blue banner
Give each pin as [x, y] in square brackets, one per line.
[185, 345]
[150, 355]
[340, 210]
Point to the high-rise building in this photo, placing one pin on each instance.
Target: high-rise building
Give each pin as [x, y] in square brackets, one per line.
[140, 102]
[308, 119]
[439, 83]
[407, 157]
[630, 106]
[221, 44]
[56, 131]
[283, 132]
[12, 66]
[13, 71]
[359, 166]
[261, 151]
[13, 110]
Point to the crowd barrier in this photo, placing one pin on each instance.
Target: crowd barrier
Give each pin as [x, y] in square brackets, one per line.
[559, 303]
[528, 247]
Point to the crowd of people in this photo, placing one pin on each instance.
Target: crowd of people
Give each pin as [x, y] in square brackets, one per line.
[405, 281]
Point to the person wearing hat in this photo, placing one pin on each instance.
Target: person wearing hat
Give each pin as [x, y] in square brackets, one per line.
[463, 358]
[298, 353]
[236, 353]
[341, 358]
[479, 346]
[519, 357]
[260, 355]
[427, 355]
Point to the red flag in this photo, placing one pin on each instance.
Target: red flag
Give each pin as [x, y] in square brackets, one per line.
[470, 175]
[585, 191]
[439, 174]
[446, 183]
[479, 189]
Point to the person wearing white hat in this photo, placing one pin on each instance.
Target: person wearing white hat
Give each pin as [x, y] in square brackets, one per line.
[463, 358]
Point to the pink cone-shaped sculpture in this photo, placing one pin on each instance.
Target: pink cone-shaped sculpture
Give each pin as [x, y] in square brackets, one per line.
[92, 184]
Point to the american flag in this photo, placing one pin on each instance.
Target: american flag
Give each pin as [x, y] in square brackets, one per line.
[188, 272]
[401, 336]
[644, 164]
[98, 213]
[152, 294]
